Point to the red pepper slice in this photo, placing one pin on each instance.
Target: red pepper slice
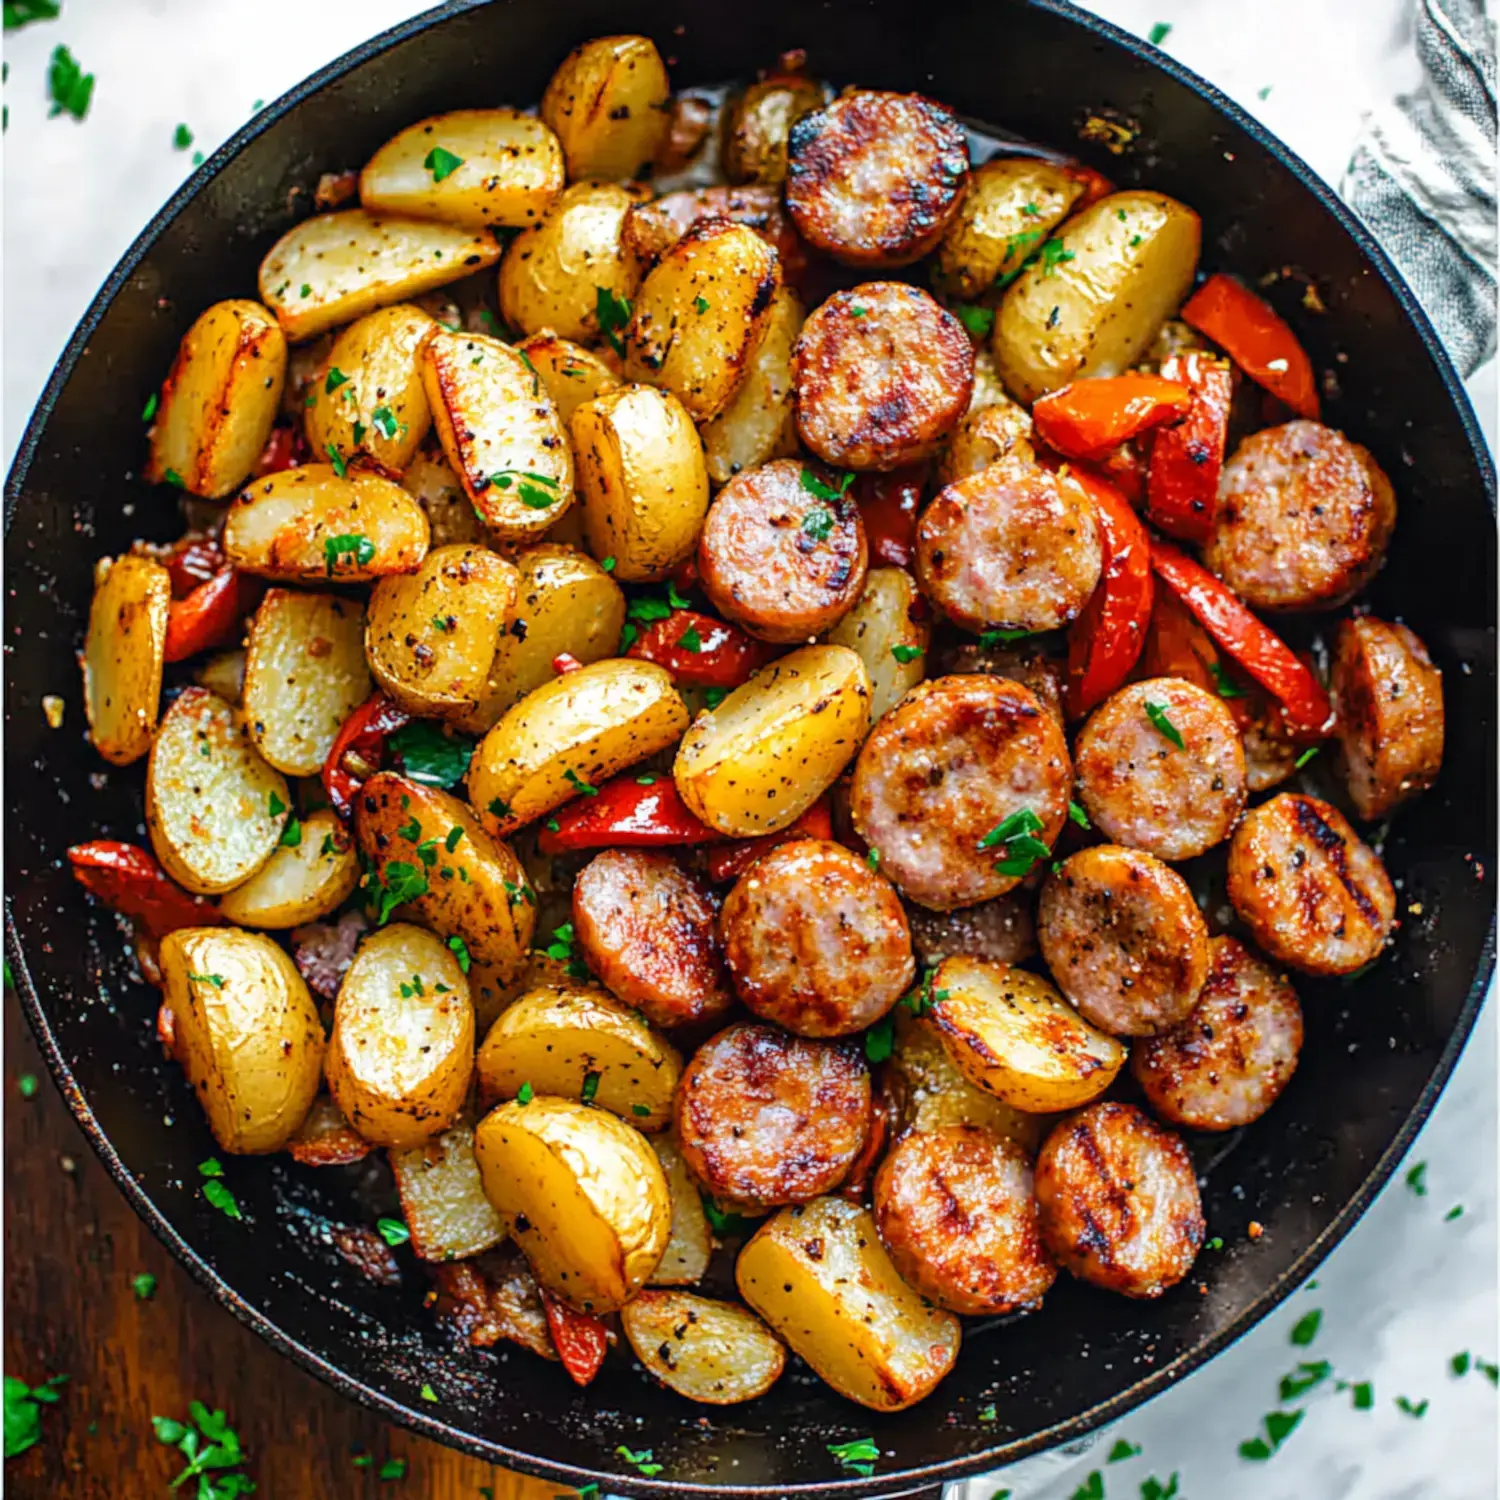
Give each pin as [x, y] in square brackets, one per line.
[284, 449]
[888, 504]
[565, 662]
[210, 615]
[1086, 418]
[1182, 491]
[1254, 336]
[1095, 184]
[625, 814]
[732, 860]
[363, 735]
[579, 1338]
[715, 654]
[128, 879]
[1254, 645]
[192, 562]
[1105, 641]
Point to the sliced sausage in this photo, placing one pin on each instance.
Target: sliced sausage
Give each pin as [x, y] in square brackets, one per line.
[943, 771]
[1142, 789]
[651, 229]
[1022, 662]
[1304, 518]
[1313, 894]
[1001, 931]
[816, 940]
[1389, 698]
[956, 1210]
[650, 931]
[875, 178]
[1118, 1200]
[1013, 546]
[1124, 939]
[782, 552]
[1227, 1063]
[766, 1118]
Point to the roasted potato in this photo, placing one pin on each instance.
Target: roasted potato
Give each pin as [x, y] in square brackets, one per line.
[431, 635]
[451, 516]
[312, 523]
[691, 1242]
[987, 432]
[368, 398]
[760, 759]
[709, 1351]
[442, 1198]
[1097, 294]
[888, 630]
[214, 809]
[756, 125]
[246, 1033]
[305, 673]
[123, 654]
[570, 373]
[224, 673]
[643, 480]
[476, 168]
[301, 881]
[558, 1037]
[402, 1048]
[572, 733]
[818, 1274]
[333, 268]
[608, 103]
[701, 315]
[219, 401]
[587, 1188]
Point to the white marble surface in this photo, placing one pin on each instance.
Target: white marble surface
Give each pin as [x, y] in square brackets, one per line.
[1408, 1289]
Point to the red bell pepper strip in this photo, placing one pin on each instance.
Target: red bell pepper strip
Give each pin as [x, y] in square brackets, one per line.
[732, 860]
[362, 736]
[625, 814]
[192, 562]
[701, 650]
[1182, 490]
[579, 1338]
[128, 879]
[1086, 418]
[888, 504]
[1124, 468]
[1255, 646]
[1254, 336]
[1105, 641]
[565, 662]
[285, 449]
[1095, 184]
[210, 615]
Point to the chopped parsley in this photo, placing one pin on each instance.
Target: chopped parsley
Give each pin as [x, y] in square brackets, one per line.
[19, 13]
[1078, 815]
[1154, 1489]
[714, 696]
[640, 1110]
[1416, 1179]
[612, 314]
[333, 380]
[217, 980]
[815, 486]
[1015, 836]
[352, 544]
[589, 1089]
[1412, 1408]
[880, 1039]
[1122, 1450]
[144, 1286]
[431, 756]
[182, 138]
[392, 1468]
[1164, 726]
[700, 304]
[608, 565]
[384, 421]
[1279, 1425]
[393, 1231]
[1092, 1488]
[989, 639]
[149, 409]
[499, 808]
[70, 88]
[534, 491]
[1223, 682]
[460, 951]
[216, 1190]
[453, 839]
[23, 1403]
[641, 1461]
[1304, 1378]
[27, 1085]
[525, 1094]
[337, 459]
[175, 479]
[691, 640]
[978, 320]
[1305, 1330]
[904, 654]
[859, 1456]
[873, 859]
[291, 835]
[1453, 1213]
[1159, 33]
[1306, 756]
[428, 1394]
[275, 806]
[819, 522]
[400, 882]
[579, 784]
[1459, 1364]
[722, 1222]
[1053, 254]
[441, 163]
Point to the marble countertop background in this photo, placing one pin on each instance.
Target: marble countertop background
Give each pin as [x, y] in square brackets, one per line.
[1411, 1287]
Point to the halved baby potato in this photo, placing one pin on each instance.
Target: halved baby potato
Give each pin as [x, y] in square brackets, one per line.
[246, 1033]
[219, 401]
[571, 373]
[472, 167]
[888, 629]
[123, 654]
[690, 1244]
[442, 1198]
[214, 809]
[402, 1048]
[609, 104]
[709, 1351]
[436, 488]
[224, 673]
[588, 1190]
[301, 881]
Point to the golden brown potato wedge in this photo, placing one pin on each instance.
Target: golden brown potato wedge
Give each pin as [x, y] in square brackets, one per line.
[691, 1242]
[435, 487]
[571, 373]
[608, 103]
[303, 880]
[442, 1198]
[709, 1351]
[757, 123]
[123, 653]
[888, 630]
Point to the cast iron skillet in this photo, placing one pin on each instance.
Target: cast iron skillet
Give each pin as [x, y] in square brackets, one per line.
[1376, 1055]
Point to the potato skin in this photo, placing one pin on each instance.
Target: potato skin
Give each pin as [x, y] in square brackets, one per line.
[608, 104]
[888, 629]
[709, 1351]
[123, 655]
[691, 1244]
[571, 373]
[299, 883]
[757, 123]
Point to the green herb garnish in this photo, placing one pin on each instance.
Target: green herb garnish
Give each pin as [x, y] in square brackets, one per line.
[354, 544]
[431, 756]
[441, 163]
[1305, 1330]
[980, 321]
[579, 784]
[393, 1231]
[70, 88]
[333, 380]
[904, 654]
[400, 882]
[216, 1191]
[534, 491]
[880, 1040]
[859, 1456]
[460, 951]
[1159, 33]
[23, 1403]
[589, 1089]
[815, 486]
[1053, 254]
[612, 314]
[1015, 836]
[1223, 682]
[1416, 1179]
[291, 835]
[144, 1286]
[641, 1461]
[525, 1094]
[1165, 727]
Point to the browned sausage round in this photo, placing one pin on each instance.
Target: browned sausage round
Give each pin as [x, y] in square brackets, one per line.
[816, 940]
[1124, 939]
[1227, 1063]
[650, 931]
[781, 553]
[1141, 789]
[1118, 1200]
[882, 375]
[766, 1118]
[1313, 894]
[942, 773]
[874, 178]
[1022, 662]
[1000, 931]
[1304, 518]
[956, 1210]
[651, 229]
[1013, 546]
[1389, 698]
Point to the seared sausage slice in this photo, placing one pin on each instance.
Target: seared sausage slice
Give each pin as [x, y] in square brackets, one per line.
[1118, 1200]
[781, 553]
[945, 769]
[883, 375]
[1001, 931]
[766, 1118]
[956, 1210]
[1124, 939]
[816, 940]
[1141, 789]
[1313, 894]
[1389, 699]
[874, 178]
[1304, 518]
[651, 229]
[650, 931]
[1013, 546]
[1023, 662]
[1227, 1063]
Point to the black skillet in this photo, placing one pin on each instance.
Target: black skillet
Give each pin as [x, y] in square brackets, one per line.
[1377, 1052]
